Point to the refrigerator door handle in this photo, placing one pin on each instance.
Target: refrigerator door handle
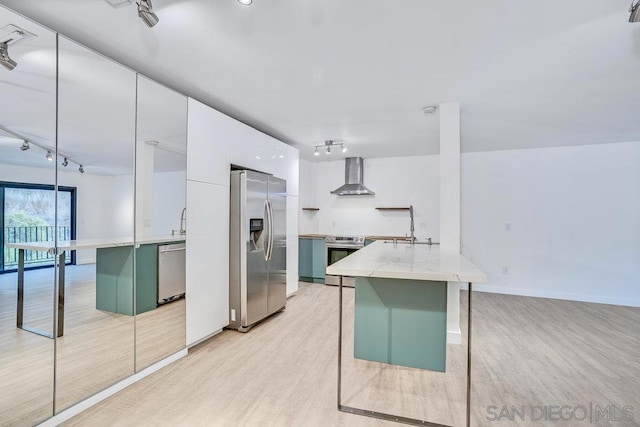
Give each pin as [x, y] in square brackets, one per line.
[267, 240]
[270, 229]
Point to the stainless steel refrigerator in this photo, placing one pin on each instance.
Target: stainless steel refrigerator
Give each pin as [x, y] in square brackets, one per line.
[257, 248]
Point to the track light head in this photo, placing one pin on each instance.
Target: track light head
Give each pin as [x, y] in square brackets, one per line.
[25, 146]
[81, 169]
[65, 163]
[49, 156]
[145, 12]
[245, 2]
[5, 60]
[328, 149]
[635, 12]
[316, 153]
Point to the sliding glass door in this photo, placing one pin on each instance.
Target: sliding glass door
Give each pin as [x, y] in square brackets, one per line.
[28, 215]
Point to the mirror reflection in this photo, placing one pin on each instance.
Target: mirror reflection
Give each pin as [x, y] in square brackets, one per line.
[96, 143]
[161, 167]
[27, 218]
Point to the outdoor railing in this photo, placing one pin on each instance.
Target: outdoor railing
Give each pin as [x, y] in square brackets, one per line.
[41, 233]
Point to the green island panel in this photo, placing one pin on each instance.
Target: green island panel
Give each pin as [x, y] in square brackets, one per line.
[401, 322]
[114, 279]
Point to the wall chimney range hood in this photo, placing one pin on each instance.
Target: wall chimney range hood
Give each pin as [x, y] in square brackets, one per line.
[353, 179]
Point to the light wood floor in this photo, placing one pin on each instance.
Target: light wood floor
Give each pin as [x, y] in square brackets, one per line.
[96, 351]
[527, 351]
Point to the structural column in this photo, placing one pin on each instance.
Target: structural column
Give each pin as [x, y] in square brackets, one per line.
[450, 206]
[145, 156]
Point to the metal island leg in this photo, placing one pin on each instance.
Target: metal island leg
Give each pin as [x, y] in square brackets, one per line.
[20, 298]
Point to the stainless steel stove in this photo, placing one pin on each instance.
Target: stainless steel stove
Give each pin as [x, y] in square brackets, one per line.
[337, 248]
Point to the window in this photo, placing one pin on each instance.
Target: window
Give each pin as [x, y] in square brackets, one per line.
[27, 214]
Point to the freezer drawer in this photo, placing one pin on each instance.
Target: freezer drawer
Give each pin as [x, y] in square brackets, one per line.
[171, 272]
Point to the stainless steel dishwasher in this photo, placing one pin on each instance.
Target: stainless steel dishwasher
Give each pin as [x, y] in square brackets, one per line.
[171, 272]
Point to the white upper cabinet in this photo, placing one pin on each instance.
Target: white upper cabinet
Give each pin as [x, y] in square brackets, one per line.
[208, 150]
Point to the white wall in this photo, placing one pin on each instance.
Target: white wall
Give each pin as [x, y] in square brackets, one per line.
[309, 220]
[169, 198]
[104, 203]
[397, 182]
[121, 209]
[564, 222]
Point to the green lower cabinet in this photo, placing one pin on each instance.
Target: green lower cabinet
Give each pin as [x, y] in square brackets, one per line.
[311, 265]
[146, 278]
[305, 258]
[401, 322]
[114, 278]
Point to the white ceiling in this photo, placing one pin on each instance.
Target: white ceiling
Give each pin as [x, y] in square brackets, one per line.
[527, 74]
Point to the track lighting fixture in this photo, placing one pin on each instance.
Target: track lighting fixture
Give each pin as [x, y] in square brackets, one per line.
[145, 12]
[26, 145]
[327, 146]
[5, 60]
[635, 12]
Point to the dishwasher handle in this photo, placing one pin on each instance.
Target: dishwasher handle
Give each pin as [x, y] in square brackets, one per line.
[164, 251]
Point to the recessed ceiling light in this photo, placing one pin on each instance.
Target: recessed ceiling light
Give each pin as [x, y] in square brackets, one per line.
[245, 2]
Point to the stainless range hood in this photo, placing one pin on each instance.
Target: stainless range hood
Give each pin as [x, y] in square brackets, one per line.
[353, 179]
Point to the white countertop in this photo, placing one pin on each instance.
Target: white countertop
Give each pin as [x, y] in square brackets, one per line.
[112, 242]
[405, 261]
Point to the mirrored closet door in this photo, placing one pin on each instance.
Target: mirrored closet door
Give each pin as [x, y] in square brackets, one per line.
[161, 222]
[27, 219]
[96, 145]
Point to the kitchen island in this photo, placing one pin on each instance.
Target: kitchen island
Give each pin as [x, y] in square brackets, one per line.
[400, 308]
[114, 274]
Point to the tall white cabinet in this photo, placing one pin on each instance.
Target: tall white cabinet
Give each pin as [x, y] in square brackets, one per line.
[215, 142]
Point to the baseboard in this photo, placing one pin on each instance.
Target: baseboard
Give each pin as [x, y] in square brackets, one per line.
[454, 337]
[556, 295]
[99, 397]
[310, 279]
[201, 340]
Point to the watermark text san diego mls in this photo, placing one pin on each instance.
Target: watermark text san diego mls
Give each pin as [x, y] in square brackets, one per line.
[589, 413]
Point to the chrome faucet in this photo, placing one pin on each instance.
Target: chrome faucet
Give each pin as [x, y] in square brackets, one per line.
[412, 227]
[183, 221]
